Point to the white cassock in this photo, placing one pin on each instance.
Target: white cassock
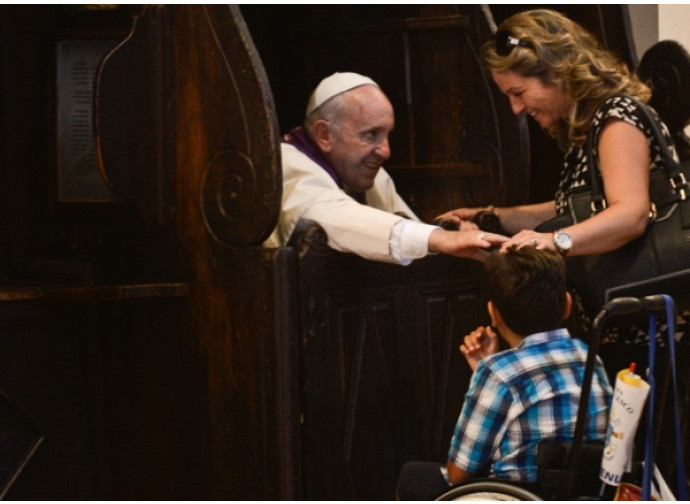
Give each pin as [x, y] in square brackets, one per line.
[372, 231]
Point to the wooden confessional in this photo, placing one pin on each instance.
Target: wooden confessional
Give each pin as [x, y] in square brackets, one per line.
[150, 348]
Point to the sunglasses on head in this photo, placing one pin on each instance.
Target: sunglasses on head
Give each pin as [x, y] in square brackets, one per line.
[505, 42]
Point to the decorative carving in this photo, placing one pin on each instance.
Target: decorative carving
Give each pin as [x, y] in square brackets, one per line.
[229, 192]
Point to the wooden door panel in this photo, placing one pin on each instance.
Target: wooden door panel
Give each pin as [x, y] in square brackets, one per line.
[382, 377]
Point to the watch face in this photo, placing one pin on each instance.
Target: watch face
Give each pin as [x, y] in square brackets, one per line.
[563, 241]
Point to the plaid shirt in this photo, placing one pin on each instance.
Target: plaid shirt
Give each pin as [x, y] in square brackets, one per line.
[520, 396]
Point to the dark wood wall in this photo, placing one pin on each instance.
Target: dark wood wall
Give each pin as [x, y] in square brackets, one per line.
[149, 347]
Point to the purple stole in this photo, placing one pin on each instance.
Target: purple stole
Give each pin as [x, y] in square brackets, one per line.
[299, 139]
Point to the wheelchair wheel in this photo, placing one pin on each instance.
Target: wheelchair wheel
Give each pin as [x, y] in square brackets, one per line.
[487, 491]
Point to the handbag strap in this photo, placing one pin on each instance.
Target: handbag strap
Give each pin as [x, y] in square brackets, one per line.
[648, 457]
[672, 168]
[674, 172]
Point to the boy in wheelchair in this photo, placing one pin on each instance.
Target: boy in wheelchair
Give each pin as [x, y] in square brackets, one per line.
[522, 395]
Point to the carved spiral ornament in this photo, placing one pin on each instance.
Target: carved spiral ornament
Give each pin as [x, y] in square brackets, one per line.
[228, 193]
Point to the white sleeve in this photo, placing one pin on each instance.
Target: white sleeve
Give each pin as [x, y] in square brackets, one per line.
[409, 240]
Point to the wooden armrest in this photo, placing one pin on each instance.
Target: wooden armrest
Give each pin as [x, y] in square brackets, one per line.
[313, 237]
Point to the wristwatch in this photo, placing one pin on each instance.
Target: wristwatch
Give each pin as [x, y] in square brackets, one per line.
[563, 242]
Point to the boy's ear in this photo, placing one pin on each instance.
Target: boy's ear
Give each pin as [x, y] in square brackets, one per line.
[322, 135]
[568, 305]
[496, 319]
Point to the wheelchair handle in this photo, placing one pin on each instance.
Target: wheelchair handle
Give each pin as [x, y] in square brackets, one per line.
[625, 306]
[617, 306]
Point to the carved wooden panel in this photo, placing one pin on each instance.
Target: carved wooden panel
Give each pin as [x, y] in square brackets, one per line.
[382, 379]
[187, 398]
[185, 97]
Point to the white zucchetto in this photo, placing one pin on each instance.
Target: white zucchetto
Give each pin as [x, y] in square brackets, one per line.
[335, 84]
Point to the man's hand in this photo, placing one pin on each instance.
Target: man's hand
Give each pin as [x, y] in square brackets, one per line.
[480, 343]
[471, 244]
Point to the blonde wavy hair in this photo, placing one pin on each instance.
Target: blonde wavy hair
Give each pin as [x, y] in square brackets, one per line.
[555, 49]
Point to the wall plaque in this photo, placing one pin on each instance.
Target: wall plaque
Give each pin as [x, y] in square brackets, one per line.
[79, 179]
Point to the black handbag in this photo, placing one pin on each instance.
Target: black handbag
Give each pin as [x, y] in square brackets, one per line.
[657, 261]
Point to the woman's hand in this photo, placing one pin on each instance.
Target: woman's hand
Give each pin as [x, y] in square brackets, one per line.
[530, 238]
[459, 216]
[512, 219]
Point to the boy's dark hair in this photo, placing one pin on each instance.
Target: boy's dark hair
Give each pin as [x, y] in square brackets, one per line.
[528, 287]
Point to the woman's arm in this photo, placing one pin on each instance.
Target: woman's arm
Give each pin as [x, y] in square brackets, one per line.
[624, 164]
[513, 219]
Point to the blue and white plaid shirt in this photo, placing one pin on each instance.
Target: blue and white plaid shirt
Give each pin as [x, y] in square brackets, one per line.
[520, 396]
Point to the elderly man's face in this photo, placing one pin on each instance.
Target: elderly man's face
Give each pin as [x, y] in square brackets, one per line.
[359, 146]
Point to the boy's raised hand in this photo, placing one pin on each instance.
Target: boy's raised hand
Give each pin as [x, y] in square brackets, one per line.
[480, 343]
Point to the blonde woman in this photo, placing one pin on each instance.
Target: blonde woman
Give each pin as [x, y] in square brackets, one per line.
[553, 70]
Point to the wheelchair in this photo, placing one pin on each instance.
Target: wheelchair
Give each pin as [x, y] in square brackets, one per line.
[555, 480]
[488, 489]
[566, 471]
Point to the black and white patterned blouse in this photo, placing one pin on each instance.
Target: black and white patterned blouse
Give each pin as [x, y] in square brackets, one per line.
[575, 171]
